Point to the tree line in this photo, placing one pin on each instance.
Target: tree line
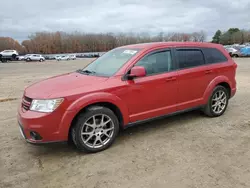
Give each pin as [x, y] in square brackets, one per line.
[62, 42]
[231, 36]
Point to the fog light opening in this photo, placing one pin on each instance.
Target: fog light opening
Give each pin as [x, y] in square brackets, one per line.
[35, 136]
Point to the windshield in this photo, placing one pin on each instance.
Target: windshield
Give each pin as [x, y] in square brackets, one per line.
[109, 63]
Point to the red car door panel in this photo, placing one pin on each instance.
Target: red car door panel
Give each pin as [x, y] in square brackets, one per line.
[152, 96]
[192, 84]
[193, 77]
[155, 94]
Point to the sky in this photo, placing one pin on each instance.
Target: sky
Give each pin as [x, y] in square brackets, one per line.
[20, 18]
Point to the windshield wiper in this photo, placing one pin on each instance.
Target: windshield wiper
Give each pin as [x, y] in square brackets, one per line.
[86, 71]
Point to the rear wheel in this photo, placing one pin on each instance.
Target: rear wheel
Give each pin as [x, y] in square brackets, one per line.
[218, 102]
[235, 55]
[41, 60]
[95, 130]
[28, 59]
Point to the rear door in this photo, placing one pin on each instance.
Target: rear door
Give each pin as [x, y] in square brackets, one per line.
[194, 75]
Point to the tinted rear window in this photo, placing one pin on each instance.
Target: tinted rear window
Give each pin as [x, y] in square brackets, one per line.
[213, 55]
[189, 58]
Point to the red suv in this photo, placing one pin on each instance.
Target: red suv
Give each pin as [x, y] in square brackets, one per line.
[126, 86]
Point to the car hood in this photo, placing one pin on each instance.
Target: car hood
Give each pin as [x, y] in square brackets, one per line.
[62, 85]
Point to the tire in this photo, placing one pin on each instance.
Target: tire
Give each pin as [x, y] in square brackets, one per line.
[41, 60]
[94, 132]
[13, 56]
[210, 109]
[235, 55]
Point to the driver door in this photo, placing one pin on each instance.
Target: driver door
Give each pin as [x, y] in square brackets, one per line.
[155, 94]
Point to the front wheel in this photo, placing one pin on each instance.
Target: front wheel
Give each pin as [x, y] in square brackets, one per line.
[217, 103]
[95, 130]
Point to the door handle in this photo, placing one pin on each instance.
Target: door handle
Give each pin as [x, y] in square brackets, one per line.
[169, 79]
[208, 71]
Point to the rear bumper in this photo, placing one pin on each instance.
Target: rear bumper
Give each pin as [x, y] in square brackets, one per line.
[233, 92]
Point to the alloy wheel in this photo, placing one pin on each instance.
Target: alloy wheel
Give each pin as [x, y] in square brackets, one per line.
[219, 101]
[97, 131]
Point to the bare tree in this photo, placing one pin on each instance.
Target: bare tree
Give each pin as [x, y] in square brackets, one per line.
[61, 42]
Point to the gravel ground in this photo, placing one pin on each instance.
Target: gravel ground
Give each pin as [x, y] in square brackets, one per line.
[187, 150]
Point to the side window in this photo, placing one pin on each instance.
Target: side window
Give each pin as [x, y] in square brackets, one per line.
[188, 58]
[157, 62]
[213, 55]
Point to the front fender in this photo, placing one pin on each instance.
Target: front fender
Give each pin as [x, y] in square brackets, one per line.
[100, 97]
[212, 85]
[86, 100]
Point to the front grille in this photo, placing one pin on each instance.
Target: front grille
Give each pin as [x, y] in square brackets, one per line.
[26, 102]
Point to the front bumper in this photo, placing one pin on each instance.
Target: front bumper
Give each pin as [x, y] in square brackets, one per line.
[50, 127]
[32, 141]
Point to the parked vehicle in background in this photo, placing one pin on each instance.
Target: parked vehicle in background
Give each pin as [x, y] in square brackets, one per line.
[236, 54]
[9, 53]
[239, 52]
[72, 57]
[231, 51]
[49, 57]
[245, 52]
[57, 57]
[20, 58]
[125, 86]
[88, 55]
[62, 58]
[34, 57]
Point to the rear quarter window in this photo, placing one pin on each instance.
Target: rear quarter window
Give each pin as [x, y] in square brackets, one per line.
[213, 55]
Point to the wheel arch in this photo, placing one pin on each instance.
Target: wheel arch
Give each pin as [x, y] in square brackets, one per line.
[108, 105]
[227, 86]
[104, 99]
[220, 80]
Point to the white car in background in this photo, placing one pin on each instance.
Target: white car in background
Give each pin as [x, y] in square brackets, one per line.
[62, 57]
[20, 57]
[9, 53]
[231, 50]
[72, 57]
[34, 57]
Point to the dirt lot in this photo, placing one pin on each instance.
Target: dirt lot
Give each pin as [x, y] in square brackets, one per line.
[188, 150]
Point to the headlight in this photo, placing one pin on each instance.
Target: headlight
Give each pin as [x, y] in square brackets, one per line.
[45, 105]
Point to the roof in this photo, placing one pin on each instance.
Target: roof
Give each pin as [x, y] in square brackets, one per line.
[170, 44]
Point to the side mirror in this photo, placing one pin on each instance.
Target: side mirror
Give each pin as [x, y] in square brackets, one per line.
[137, 71]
